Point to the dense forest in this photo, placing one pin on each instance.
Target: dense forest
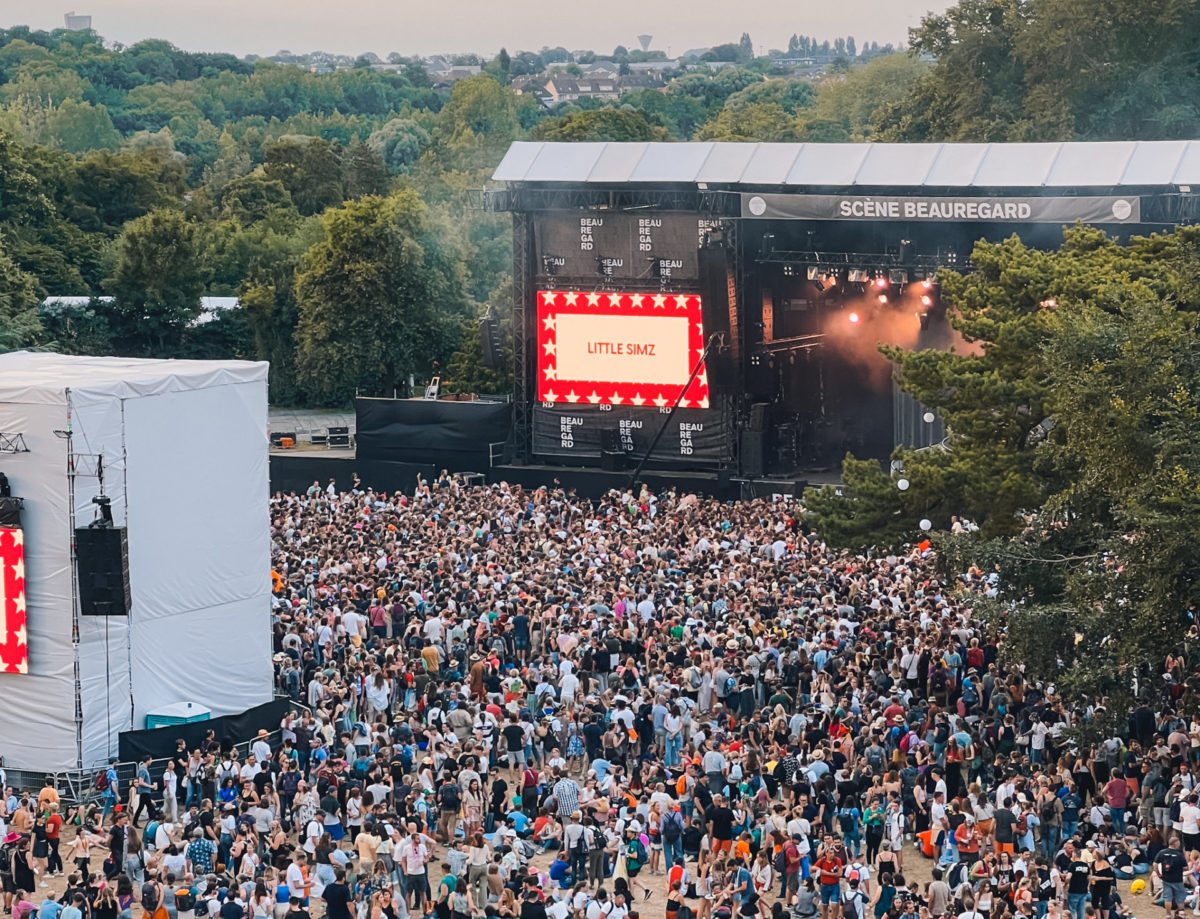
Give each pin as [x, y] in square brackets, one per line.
[342, 207]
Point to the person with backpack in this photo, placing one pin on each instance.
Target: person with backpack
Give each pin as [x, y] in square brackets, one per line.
[671, 830]
[153, 897]
[450, 804]
[849, 822]
[108, 784]
[8, 849]
[788, 864]
[854, 901]
[1050, 813]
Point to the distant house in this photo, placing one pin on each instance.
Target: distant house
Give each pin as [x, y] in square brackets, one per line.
[601, 69]
[632, 81]
[654, 66]
[443, 78]
[562, 88]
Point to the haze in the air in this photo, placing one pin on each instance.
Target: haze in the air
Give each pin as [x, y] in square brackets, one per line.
[483, 26]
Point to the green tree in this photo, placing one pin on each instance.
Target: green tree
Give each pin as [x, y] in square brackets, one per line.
[79, 127]
[479, 110]
[157, 284]
[465, 372]
[400, 141]
[251, 198]
[378, 298]
[310, 168]
[363, 171]
[848, 109]
[600, 124]
[20, 326]
[1013, 71]
[757, 121]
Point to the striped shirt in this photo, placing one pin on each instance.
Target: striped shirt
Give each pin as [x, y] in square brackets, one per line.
[566, 792]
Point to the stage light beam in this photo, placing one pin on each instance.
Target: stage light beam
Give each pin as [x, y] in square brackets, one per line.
[853, 318]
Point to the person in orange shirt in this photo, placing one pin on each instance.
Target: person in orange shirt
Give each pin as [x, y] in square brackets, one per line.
[47, 796]
[966, 837]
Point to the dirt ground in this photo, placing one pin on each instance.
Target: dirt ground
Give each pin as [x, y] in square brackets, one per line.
[916, 868]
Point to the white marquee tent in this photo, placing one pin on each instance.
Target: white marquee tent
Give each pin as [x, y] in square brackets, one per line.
[183, 446]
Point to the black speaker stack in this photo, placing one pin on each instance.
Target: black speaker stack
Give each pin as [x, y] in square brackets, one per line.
[102, 559]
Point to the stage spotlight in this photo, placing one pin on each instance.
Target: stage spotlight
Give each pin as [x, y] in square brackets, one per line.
[819, 284]
[927, 283]
[813, 272]
[883, 299]
[857, 276]
[926, 300]
[923, 319]
[881, 282]
[831, 280]
[852, 319]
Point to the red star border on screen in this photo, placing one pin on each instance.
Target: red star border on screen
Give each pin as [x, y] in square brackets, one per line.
[14, 644]
[604, 348]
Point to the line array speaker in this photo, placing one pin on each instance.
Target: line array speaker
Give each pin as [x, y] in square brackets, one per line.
[102, 560]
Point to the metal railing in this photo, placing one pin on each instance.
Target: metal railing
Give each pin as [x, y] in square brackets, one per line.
[77, 787]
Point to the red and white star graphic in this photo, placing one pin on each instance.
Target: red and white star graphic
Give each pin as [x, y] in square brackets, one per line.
[14, 642]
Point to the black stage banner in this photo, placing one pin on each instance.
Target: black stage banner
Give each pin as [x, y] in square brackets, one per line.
[229, 729]
[999, 209]
[430, 431]
[640, 245]
[695, 437]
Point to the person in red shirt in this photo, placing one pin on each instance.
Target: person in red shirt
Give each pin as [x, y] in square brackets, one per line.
[829, 874]
[1117, 793]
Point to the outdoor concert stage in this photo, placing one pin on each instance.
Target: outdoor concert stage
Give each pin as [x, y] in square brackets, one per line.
[799, 258]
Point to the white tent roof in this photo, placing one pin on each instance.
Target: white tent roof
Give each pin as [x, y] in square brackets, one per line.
[1062, 165]
[42, 376]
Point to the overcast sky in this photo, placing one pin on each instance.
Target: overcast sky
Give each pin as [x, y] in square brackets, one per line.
[483, 26]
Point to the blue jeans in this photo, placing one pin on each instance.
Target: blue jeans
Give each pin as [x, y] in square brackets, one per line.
[1050, 840]
[1118, 817]
[673, 852]
[1076, 904]
[674, 745]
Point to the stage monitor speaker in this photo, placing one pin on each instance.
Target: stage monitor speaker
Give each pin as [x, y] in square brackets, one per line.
[612, 460]
[102, 560]
[754, 451]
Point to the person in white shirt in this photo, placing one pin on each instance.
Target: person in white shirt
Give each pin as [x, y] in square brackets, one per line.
[299, 885]
[250, 769]
[170, 789]
[1189, 823]
[261, 748]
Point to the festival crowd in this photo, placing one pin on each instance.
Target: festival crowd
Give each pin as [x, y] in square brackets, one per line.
[523, 704]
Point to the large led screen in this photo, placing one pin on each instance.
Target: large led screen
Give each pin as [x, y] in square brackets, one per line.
[14, 644]
[605, 348]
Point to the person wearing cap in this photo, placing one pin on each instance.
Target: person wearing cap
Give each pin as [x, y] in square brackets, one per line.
[112, 789]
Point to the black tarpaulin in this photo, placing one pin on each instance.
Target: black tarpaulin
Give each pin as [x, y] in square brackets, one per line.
[455, 435]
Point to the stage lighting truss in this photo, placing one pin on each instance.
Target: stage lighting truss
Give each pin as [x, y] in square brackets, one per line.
[11, 442]
[823, 278]
[793, 345]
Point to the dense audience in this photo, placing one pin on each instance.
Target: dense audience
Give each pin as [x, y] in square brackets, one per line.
[519, 703]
